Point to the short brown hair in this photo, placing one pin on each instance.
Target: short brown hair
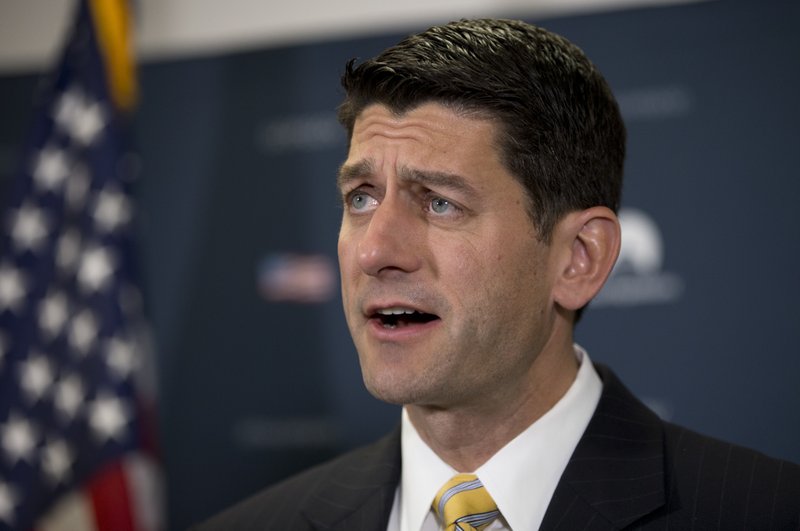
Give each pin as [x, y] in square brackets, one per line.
[561, 133]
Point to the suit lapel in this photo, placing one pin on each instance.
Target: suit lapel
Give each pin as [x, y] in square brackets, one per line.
[616, 474]
[360, 492]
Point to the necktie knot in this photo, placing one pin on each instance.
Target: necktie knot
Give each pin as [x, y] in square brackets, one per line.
[463, 504]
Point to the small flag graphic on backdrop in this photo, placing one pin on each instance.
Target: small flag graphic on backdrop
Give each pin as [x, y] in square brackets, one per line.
[75, 423]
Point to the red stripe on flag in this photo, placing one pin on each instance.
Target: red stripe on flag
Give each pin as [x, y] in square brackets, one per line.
[111, 499]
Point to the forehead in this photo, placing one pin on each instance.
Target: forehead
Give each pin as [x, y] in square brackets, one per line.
[431, 133]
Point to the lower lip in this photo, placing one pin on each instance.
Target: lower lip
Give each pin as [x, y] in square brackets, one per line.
[401, 333]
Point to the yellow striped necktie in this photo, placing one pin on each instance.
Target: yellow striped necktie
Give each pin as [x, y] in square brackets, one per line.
[464, 505]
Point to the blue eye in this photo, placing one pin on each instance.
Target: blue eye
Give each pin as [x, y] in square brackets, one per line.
[360, 201]
[440, 206]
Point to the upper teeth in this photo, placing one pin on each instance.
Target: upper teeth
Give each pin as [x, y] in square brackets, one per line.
[395, 311]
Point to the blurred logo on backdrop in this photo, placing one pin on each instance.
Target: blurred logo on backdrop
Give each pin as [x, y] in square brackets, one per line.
[638, 277]
[655, 103]
[292, 277]
[303, 132]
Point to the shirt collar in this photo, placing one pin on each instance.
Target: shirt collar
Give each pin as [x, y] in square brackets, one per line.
[423, 474]
[521, 476]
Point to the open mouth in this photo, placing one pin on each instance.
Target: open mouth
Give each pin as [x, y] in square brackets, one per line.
[402, 317]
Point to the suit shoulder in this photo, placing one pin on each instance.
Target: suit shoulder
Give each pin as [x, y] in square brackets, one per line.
[280, 501]
[279, 506]
[690, 449]
[723, 482]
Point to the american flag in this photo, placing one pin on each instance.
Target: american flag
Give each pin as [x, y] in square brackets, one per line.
[73, 436]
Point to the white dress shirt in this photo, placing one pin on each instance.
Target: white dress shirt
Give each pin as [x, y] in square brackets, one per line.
[521, 477]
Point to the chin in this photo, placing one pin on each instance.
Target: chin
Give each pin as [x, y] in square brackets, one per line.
[386, 393]
[388, 388]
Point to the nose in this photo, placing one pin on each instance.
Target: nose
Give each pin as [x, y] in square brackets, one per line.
[388, 244]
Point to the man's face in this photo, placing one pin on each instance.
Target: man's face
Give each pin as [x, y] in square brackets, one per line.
[446, 288]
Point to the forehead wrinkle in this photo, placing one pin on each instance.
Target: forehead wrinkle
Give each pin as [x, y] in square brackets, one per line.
[393, 126]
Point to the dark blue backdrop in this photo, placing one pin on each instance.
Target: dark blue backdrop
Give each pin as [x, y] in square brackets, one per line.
[240, 153]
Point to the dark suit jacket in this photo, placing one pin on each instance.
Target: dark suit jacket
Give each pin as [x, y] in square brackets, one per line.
[630, 470]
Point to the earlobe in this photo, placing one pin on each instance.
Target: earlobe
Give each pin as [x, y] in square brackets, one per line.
[591, 241]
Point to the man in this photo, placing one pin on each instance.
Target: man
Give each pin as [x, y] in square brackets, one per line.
[479, 191]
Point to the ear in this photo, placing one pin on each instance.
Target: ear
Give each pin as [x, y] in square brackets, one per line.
[589, 242]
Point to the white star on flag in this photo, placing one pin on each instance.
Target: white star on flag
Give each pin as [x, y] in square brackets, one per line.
[29, 227]
[57, 460]
[8, 500]
[18, 439]
[13, 288]
[96, 268]
[121, 357]
[81, 118]
[67, 104]
[88, 124]
[50, 168]
[68, 396]
[36, 376]
[108, 417]
[111, 210]
[53, 314]
[83, 332]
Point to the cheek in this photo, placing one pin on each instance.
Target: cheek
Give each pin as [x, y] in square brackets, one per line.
[510, 274]
[341, 250]
[345, 250]
[345, 268]
[486, 258]
[463, 261]
[474, 274]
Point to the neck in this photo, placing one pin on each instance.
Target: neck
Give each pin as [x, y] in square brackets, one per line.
[465, 437]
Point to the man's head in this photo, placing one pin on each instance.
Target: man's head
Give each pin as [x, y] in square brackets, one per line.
[560, 131]
[460, 137]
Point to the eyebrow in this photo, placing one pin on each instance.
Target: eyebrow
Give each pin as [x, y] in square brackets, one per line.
[352, 172]
[427, 178]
